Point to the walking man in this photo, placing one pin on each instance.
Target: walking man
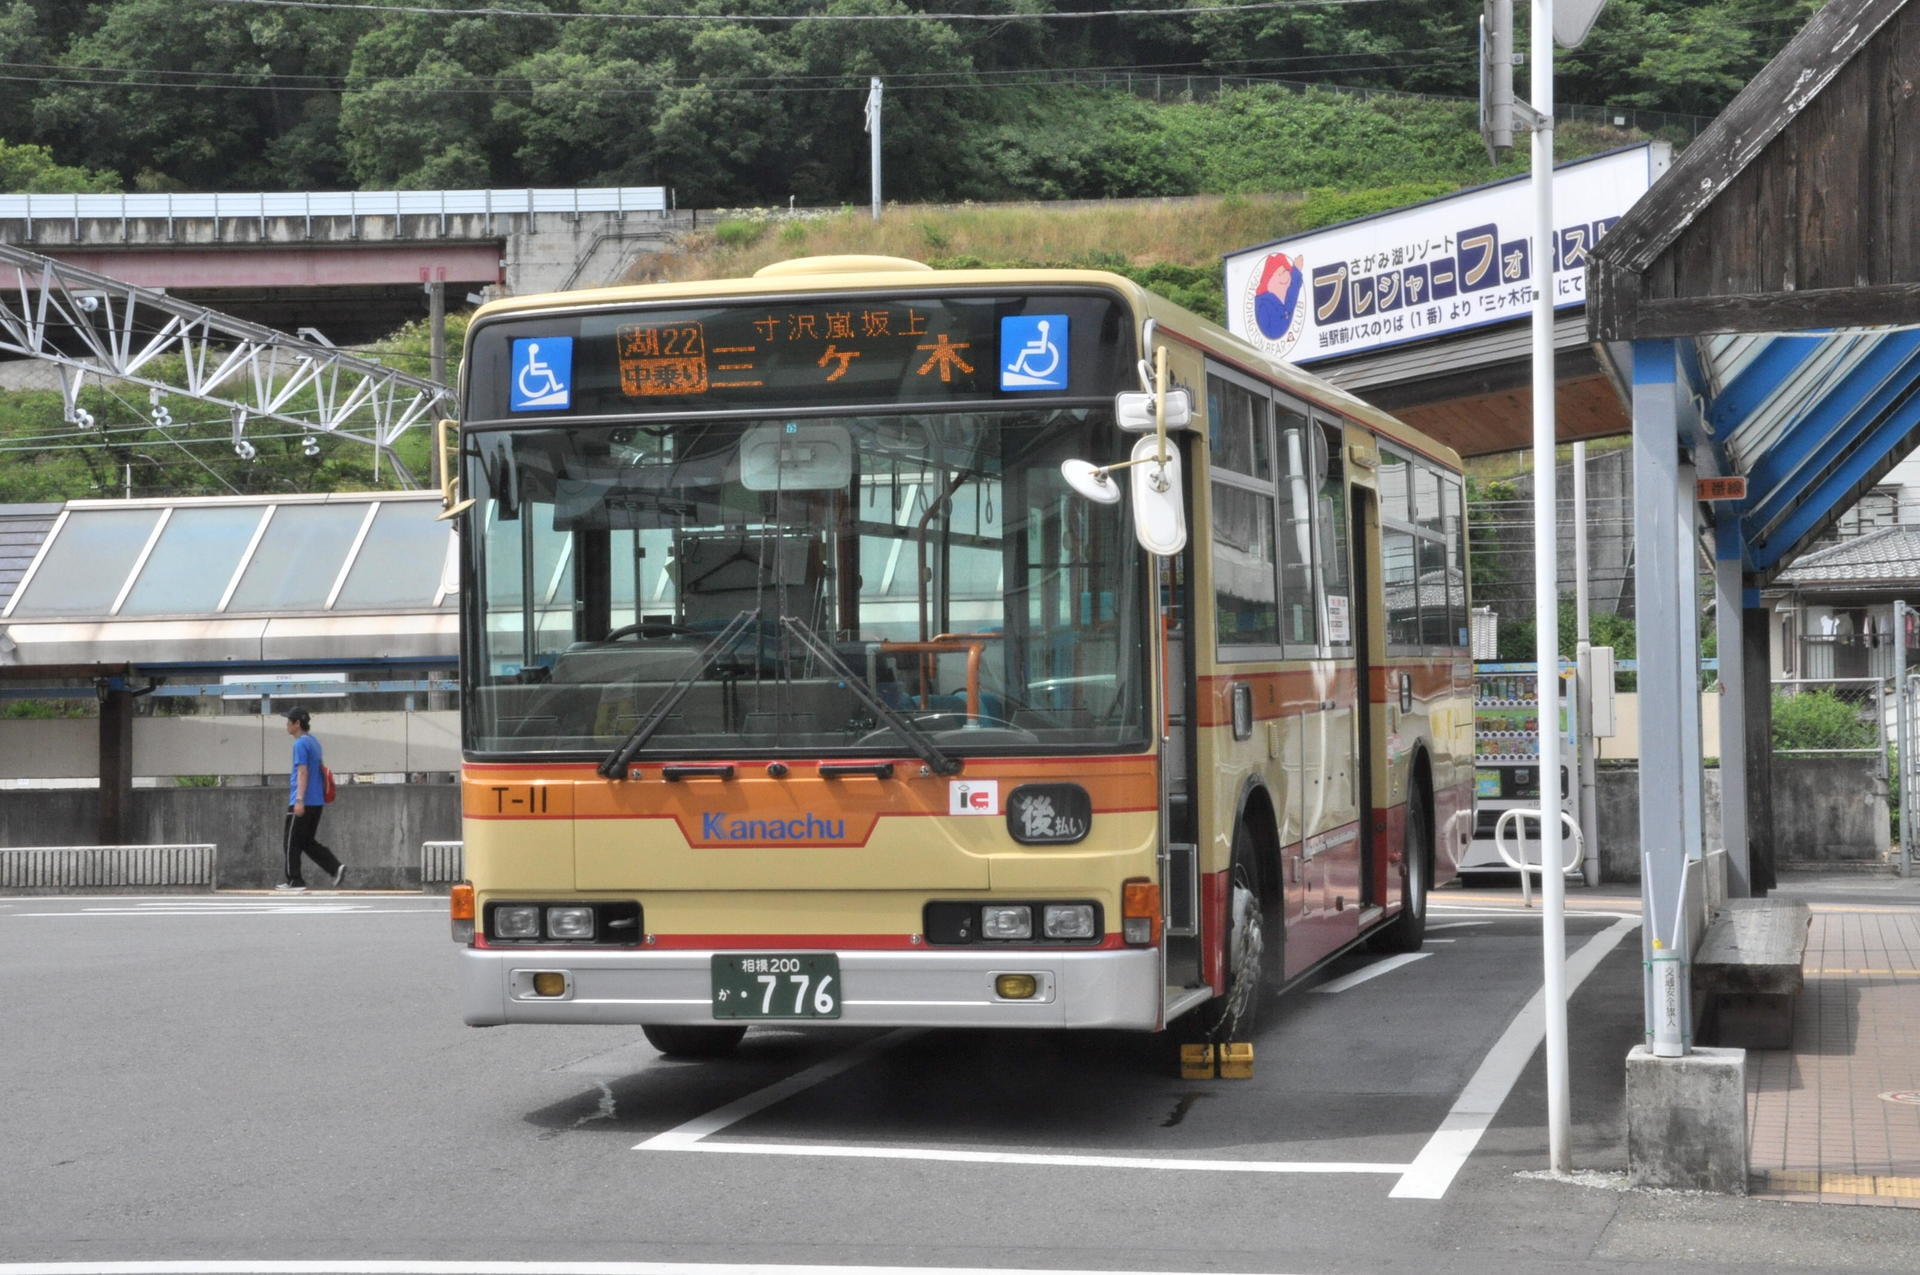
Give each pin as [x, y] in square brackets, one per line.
[306, 800]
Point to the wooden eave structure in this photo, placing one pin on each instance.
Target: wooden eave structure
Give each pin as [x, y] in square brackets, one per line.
[1780, 255]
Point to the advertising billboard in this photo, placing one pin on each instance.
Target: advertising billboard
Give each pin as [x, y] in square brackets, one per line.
[1436, 268]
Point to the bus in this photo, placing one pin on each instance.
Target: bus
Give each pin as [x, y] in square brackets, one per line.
[862, 644]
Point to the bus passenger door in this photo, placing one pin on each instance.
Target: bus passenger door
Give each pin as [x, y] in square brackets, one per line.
[1317, 631]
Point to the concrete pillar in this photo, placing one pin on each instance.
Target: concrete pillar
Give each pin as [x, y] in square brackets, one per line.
[1687, 1120]
[116, 765]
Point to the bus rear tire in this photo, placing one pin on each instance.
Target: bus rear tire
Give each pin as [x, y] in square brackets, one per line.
[680, 1040]
[1409, 930]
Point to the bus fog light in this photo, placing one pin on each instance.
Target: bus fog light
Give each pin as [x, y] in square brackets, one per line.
[1067, 920]
[1137, 930]
[1002, 922]
[570, 923]
[1015, 987]
[516, 923]
[549, 983]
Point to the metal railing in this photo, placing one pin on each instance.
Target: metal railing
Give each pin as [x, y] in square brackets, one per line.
[307, 205]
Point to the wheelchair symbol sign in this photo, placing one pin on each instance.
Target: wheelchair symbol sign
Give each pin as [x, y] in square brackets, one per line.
[1033, 352]
[542, 373]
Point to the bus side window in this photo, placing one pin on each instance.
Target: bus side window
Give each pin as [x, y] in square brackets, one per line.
[1299, 489]
[1336, 589]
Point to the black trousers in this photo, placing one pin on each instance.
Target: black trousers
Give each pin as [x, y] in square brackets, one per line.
[302, 838]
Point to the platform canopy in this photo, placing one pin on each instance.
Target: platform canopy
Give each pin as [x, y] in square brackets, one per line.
[1759, 309]
[236, 582]
[1775, 266]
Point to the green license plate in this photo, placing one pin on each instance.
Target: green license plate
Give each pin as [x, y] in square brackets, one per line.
[776, 985]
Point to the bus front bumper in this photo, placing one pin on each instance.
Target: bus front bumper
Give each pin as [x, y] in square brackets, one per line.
[1106, 988]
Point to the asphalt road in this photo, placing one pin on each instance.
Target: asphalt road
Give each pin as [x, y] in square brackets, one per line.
[285, 1084]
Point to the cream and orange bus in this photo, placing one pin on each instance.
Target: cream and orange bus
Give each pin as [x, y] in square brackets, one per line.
[864, 644]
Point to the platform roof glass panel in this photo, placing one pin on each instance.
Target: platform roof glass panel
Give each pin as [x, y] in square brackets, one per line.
[400, 562]
[193, 561]
[87, 563]
[298, 558]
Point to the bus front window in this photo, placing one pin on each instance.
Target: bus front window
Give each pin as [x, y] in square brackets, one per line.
[940, 557]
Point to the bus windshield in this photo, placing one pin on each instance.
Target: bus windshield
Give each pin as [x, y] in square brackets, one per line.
[711, 587]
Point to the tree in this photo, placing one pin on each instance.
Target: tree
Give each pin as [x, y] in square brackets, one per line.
[200, 94]
[31, 169]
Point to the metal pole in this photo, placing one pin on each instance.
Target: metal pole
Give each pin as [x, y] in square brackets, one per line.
[1583, 675]
[1553, 883]
[436, 358]
[873, 129]
[1900, 709]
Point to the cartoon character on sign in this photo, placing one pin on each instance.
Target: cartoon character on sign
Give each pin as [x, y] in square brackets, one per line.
[1273, 303]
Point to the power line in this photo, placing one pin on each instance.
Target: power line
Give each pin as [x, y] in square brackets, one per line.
[777, 86]
[1257, 6]
[346, 80]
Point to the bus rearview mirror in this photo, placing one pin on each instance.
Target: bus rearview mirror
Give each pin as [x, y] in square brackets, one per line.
[1133, 410]
[1159, 517]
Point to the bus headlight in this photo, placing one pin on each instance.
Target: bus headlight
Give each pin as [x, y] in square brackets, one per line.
[1003, 921]
[516, 922]
[1067, 920]
[569, 923]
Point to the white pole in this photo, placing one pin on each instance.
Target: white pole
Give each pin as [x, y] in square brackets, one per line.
[1553, 883]
[1583, 673]
[873, 129]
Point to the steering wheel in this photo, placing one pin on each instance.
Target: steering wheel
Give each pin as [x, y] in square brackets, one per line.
[649, 628]
[947, 726]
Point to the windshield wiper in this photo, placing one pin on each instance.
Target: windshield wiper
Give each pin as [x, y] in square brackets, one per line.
[916, 739]
[614, 766]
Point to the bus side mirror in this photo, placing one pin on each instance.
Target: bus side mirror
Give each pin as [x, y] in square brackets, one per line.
[1159, 519]
[1133, 410]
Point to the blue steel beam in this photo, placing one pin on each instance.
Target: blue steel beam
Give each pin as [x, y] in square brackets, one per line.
[1799, 440]
[1758, 381]
[1896, 424]
[1829, 432]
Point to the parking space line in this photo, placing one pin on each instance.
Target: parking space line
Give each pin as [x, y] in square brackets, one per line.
[360, 1266]
[1428, 1177]
[691, 1135]
[1433, 1170]
[1075, 1161]
[1372, 971]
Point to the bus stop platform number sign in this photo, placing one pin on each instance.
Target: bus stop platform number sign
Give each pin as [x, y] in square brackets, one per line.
[773, 985]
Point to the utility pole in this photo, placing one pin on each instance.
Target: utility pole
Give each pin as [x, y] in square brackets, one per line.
[873, 131]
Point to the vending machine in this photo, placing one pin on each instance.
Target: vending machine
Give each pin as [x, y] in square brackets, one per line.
[1506, 765]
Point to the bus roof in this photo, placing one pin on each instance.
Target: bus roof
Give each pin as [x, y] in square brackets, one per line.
[874, 273]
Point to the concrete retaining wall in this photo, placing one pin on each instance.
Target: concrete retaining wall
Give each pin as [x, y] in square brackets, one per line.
[1825, 810]
[376, 829]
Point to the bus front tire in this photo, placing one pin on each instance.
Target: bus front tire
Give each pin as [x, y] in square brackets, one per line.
[1409, 929]
[1252, 948]
[679, 1040]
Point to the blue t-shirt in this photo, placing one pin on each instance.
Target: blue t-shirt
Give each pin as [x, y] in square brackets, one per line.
[306, 752]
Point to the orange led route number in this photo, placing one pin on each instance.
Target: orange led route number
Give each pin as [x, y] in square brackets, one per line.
[676, 359]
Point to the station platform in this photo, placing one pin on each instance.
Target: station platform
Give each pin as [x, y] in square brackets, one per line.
[1836, 1118]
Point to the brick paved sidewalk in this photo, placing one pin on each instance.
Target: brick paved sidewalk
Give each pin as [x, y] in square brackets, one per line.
[1821, 1126]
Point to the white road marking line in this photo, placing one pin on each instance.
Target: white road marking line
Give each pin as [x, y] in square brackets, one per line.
[1458, 925]
[1433, 1170]
[679, 1137]
[364, 1267]
[1063, 1160]
[1372, 971]
[689, 1136]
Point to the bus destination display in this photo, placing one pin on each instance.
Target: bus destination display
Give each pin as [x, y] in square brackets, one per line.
[882, 349]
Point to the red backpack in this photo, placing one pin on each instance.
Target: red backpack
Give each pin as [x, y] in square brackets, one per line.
[326, 783]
